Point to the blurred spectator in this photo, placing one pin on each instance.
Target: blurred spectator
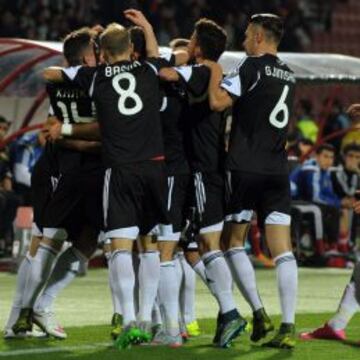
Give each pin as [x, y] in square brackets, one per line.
[9, 202]
[337, 120]
[24, 153]
[312, 182]
[346, 183]
[353, 136]
[306, 123]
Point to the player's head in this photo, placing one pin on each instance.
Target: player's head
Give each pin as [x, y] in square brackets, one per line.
[4, 127]
[179, 44]
[78, 48]
[138, 40]
[352, 157]
[305, 145]
[208, 40]
[115, 43]
[325, 155]
[263, 32]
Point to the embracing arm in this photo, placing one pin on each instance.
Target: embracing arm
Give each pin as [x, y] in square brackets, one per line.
[219, 98]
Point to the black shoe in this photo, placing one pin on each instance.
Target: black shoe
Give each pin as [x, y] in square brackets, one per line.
[24, 322]
[218, 330]
[231, 328]
[262, 325]
[284, 338]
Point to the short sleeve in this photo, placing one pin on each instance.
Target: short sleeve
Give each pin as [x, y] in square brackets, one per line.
[196, 78]
[83, 76]
[241, 79]
[156, 64]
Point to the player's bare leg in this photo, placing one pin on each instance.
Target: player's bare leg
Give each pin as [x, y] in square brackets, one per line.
[220, 281]
[244, 275]
[279, 243]
[64, 272]
[149, 275]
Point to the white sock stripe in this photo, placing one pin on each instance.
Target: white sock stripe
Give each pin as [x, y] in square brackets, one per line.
[171, 181]
[288, 256]
[167, 264]
[234, 251]
[119, 252]
[208, 259]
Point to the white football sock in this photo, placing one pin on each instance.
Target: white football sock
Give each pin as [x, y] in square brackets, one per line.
[114, 298]
[347, 308]
[243, 273]
[149, 275]
[65, 270]
[21, 278]
[124, 281]
[187, 292]
[169, 297]
[199, 268]
[40, 270]
[178, 268]
[287, 278]
[219, 278]
[156, 315]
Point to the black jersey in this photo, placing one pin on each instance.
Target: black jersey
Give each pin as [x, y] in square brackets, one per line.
[127, 98]
[263, 92]
[207, 126]
[175, 125]
[71, 105]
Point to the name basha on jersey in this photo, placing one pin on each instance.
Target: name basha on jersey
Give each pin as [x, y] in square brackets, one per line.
[175, 124]
[263, 92]
[207, 126]
[127, 100]
[72, 105]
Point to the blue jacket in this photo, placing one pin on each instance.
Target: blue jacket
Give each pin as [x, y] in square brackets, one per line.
[310, 183]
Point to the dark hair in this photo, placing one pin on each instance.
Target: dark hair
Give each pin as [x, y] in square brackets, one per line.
[179, 42]
[306, 142]
[75, 44]
[137, 38]
[351, 147]
[211, 38]
[306, 105]
[325, 147]
[3, 120]
[271, 23]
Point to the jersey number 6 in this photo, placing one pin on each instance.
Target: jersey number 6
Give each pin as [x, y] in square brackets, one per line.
[279, 108]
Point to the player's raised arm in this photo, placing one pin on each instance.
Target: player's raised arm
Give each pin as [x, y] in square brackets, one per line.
[138, 18]
[53, 74]
[219, 99]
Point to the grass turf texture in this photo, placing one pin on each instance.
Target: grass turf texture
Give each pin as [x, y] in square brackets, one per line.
[85, 309]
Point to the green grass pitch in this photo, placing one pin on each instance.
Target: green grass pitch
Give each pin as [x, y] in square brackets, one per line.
[85, 310]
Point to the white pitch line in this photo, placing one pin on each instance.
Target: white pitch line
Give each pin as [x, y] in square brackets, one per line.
[52, 349]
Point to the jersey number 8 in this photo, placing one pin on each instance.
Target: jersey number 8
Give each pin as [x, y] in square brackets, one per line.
[128, 93]
[279, 108]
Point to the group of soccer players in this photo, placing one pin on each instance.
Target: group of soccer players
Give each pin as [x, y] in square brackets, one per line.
[159, 122]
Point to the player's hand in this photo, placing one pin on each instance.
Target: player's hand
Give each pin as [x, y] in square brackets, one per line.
[354, 112]
[98, 29]
[52, 130]
[136, 17]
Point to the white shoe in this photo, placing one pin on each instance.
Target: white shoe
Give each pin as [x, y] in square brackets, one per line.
[46, 320]
[9, 334]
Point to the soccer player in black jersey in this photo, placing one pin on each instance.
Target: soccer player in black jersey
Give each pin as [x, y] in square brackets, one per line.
[207, 149]
[75, 205]
[127, 99]
[261, 91]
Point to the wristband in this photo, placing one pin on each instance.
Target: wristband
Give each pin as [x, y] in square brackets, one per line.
[66, 129]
